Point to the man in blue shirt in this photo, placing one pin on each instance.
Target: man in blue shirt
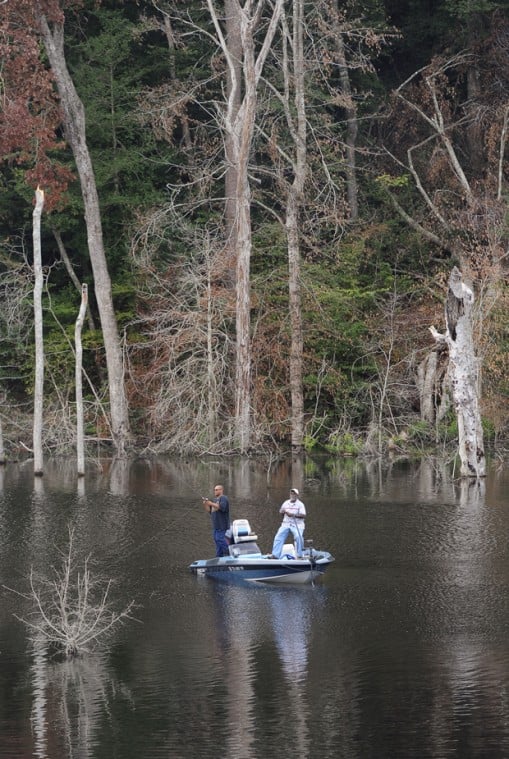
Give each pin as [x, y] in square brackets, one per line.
[219, 510]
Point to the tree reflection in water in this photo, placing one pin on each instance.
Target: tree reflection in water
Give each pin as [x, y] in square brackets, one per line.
[70, 699]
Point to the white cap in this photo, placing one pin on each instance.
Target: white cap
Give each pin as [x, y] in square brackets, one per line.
[294, 490]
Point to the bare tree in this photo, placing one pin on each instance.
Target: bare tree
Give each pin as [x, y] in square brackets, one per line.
[298, 128]
[309, 196]
[186, 320]
[463, 374]
[2, 447]
[351, 113]
[72, 609]
[237, 121]
[80, 434]
[462, 211]
[74, 120]
[39, 340]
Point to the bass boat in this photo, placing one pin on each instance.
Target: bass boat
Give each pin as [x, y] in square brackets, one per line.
[246, 563]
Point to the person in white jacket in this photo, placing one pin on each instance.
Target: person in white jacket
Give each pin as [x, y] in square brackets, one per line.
[294, 514]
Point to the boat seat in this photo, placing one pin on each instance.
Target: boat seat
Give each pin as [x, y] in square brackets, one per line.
[242, 532]
[289, 550]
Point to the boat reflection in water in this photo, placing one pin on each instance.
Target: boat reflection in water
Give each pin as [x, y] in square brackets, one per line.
[252, 626]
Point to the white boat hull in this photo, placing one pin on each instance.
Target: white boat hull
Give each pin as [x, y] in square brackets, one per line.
[257, 568]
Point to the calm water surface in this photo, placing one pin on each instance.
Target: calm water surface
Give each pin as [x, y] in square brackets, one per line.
[401, 651]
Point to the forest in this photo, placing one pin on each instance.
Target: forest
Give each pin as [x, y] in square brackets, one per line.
[265, 199]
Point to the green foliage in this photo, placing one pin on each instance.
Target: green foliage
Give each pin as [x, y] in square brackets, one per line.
[390, 181]
[489, 431]
[343, 444]
[463, 9]
[310, 443]
[110, 68]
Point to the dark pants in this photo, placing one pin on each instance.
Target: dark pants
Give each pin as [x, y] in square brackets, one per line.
[221, 544]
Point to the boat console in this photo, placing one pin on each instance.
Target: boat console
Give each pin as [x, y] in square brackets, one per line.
[244, 539]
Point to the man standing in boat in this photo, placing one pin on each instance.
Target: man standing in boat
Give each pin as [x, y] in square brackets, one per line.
[294, 513]
[219, 510]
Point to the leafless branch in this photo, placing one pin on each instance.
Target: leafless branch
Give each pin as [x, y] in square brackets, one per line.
[71, 608]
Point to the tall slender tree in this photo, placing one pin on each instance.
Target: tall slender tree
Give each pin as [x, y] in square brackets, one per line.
[24, 24]
[75, 130]
[39, 344]
[238, 120]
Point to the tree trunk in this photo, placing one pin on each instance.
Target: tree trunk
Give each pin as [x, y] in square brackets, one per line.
[80, 434]
[212, 397]
[474, 94]
[74, 120]
[233, 84]
[463, 375]
[72, 274]
[238, 121]
[431, 384]
[352, 127]
[293, 205]
[2, 449]
[39, 344]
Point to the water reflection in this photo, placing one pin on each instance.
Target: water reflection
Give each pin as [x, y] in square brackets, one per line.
[70, 701]
[120, 476]
[248, 620]
[235, 641]
[291, 617]
[401, 652]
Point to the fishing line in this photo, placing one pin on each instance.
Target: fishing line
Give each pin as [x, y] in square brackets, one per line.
[115, 559]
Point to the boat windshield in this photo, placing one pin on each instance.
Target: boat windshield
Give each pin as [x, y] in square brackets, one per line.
[243, 549]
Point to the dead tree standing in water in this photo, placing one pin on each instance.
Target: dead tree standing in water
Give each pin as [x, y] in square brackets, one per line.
[463, 374]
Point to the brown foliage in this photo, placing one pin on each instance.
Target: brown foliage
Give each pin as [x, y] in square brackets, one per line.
[29, 108]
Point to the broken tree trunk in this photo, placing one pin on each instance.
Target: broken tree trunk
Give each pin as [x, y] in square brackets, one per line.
[80, 426]
[39, 344]
[463, 374]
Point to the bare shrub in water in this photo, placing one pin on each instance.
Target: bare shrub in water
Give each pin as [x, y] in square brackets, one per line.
[72, 608]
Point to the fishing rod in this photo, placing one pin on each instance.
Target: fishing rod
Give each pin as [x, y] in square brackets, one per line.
[151, 538]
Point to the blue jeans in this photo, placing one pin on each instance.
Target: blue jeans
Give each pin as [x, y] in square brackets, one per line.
[221, 544]
[280, 539]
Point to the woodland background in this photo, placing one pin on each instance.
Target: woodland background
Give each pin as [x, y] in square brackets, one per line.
[406, 105]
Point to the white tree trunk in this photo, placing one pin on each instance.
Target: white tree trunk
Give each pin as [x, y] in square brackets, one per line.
[233, 89]
[74, 120]
[352, 126]
[463, 375]
[2, 449]
[80, 429]
[72, 274]
[39, 344]
[238, 124]
[212, 396]
[298, 130]
[431, 383]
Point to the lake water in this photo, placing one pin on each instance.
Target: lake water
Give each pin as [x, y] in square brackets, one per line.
[401, 651]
